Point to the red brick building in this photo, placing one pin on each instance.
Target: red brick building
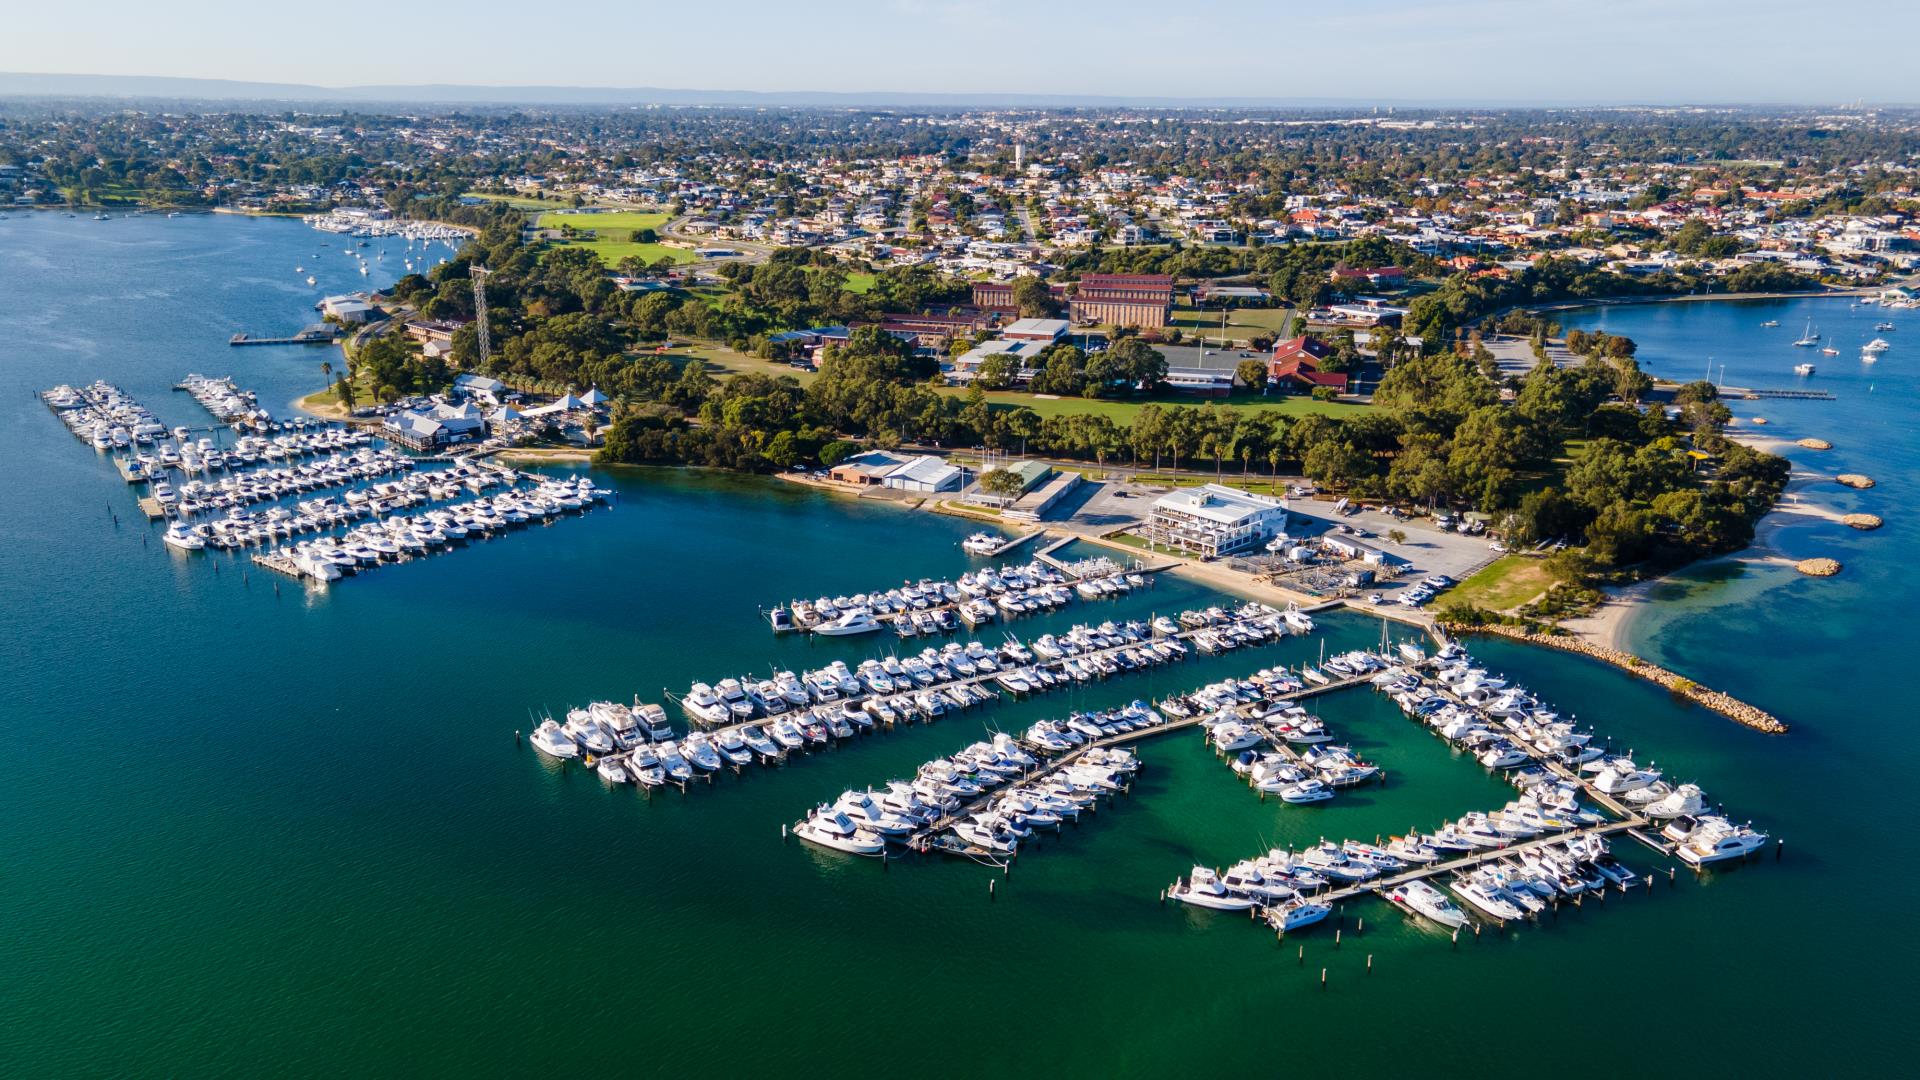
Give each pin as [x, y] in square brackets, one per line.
[1296, 364]
[1123, 299]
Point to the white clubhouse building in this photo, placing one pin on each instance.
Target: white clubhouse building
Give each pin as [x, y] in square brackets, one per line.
[1214, 519]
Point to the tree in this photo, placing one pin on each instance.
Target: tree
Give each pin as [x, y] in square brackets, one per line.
[997, 372]
[326, 371]
[1252, 374]
[838, 451]
[1004, 483]
[1396, 536]
[1033, 297]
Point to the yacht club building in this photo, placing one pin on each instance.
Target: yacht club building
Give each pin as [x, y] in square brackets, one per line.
[1213, 520]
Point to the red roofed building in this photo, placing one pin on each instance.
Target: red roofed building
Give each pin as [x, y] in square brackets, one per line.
[1296, 363]
[1123, 299]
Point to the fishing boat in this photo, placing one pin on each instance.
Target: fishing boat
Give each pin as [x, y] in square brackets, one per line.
[1295, 914]
[1205, 889]
[550, 740]
[1423, 899]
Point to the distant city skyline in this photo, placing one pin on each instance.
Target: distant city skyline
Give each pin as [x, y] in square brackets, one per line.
[1507, 51]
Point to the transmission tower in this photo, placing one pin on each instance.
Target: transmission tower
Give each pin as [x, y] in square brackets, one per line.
[479, 275]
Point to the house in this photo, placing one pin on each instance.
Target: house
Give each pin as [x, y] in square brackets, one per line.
[432, 429]
[925, 474]
[1123, 300]
[966, 367]
[1214, 520]
[480, 388]
[1297, 363]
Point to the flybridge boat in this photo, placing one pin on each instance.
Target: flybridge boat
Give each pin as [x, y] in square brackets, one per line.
[1424, 899]
[832, 829]
[1205, 889]
[1719, 842]
[980, 543]
[550, 740]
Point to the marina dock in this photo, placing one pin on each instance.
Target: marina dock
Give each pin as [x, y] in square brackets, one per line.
[317, 334]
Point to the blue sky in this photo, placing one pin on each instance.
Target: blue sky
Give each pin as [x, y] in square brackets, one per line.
[1506, 50]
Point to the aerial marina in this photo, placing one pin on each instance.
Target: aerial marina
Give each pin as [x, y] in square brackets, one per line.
[751, 719]
[266, 467]
[842, 596]
[977, 598]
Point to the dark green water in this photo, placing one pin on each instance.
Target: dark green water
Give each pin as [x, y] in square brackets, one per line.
[260, 834]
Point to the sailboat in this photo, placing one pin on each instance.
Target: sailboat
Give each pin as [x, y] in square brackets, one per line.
[1810, 337]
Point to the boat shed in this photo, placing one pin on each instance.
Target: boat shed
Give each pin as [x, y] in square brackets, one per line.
[927, 474]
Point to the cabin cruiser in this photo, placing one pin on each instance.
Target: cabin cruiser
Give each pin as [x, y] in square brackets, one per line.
[857, 621]
[1205, 889]
[1718, 843]
[832, 829]
[1685, 799]
[184, 537]
[1295, 914]
[554, 742]
[587, 732]
[1424, 899]
[613, 771]
[1487, 897]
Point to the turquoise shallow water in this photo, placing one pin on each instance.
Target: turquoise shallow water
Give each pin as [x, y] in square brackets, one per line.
[253, 833]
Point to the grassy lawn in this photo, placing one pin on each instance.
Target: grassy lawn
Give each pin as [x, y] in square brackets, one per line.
[859, 282]
[1242, 323]
[1507, 582]
[613, 234]
[604, 221]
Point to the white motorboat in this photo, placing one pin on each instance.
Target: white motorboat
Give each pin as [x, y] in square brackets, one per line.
[858, 621]
[1487, 899]
[1295, 914]
[1710, 845]
[184, 538]
[834, 830]
[554, 742]
[1205, 889]
[613, 771]
[1803, 369]
[1876, 347]
[584, 730]
[1423, 899]
[1685, 799]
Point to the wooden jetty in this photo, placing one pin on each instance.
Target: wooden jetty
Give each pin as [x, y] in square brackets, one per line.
[1803, 395]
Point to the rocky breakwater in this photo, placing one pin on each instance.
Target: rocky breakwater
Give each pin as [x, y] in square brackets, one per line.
[1725, 704]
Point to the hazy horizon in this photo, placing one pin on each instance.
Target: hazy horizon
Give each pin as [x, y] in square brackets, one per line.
[1553, 52]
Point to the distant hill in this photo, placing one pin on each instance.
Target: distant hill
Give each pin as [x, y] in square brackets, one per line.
[157, 87]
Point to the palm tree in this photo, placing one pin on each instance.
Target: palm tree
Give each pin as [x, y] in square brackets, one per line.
[326, 370]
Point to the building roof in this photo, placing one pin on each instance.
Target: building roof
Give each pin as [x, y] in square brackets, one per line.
[1048, 329]
[1218, 503]
[925, 469]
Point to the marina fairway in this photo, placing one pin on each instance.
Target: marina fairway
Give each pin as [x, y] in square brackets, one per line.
[260, 832]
